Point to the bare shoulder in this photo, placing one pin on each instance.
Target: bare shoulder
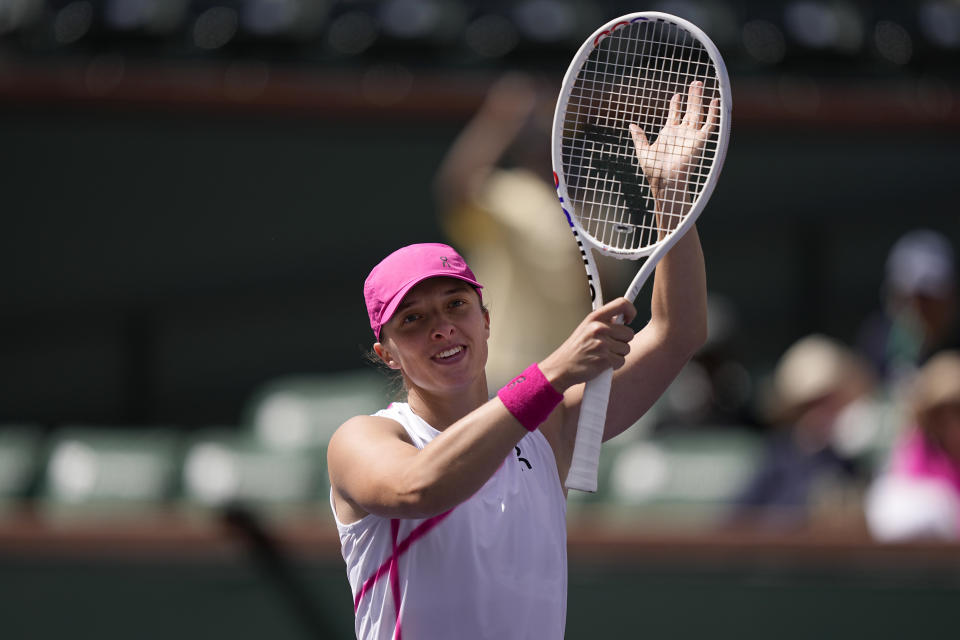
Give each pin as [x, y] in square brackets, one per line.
[357, 456]
[365, 427]
[362, 435]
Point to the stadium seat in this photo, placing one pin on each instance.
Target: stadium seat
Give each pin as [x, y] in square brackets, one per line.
[298, 412]
[20, 447]
[98, 469]
[223, 467]
[693, 475]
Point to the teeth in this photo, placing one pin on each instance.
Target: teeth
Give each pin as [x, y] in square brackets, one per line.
[450, 352]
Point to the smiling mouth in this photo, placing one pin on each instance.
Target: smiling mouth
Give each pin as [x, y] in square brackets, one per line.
[449, 353]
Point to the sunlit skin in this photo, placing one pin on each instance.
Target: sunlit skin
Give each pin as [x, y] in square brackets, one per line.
[670, 158]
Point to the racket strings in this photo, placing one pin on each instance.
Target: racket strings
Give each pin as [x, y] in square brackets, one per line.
[630, 78]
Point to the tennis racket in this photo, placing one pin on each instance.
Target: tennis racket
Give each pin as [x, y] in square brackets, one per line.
[633, 194]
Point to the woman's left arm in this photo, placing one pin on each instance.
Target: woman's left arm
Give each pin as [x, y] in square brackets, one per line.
[677, 329]
[678, 310]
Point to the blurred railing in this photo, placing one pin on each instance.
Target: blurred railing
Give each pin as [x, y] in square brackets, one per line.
[780, 99]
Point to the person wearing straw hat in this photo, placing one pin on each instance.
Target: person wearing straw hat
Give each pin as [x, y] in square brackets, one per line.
[814, 383]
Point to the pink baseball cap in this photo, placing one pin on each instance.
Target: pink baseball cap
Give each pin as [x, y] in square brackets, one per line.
[402, 270]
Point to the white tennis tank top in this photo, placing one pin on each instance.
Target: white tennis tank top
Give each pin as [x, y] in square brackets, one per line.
[493, 567]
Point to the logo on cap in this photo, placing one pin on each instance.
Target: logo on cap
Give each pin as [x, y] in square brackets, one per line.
[443, 259]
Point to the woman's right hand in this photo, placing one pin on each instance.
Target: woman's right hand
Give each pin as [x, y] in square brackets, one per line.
[599, 343]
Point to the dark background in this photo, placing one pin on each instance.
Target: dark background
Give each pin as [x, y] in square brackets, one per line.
[159, 267]
[183, 224]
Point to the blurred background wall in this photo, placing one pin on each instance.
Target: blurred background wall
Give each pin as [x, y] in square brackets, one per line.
[183, 180]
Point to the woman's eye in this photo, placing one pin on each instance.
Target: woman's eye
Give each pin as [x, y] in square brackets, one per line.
[410, 318]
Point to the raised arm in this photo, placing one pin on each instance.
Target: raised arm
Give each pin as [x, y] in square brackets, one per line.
[677, 329]
[678, 313]
[476, 151]
[678, 324]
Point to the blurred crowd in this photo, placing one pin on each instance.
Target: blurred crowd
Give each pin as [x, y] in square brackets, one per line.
[874, 423]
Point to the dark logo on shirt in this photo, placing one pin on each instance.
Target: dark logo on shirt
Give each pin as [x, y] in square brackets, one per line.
[523, 460]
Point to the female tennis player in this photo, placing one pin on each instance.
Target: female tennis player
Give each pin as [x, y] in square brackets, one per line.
[451, 506]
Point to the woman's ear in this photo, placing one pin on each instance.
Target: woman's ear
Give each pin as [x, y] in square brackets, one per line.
[385, 355]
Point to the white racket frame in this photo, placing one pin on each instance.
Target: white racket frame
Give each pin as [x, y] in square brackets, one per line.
[593, 408]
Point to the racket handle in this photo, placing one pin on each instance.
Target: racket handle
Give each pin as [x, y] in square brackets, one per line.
[586, 449]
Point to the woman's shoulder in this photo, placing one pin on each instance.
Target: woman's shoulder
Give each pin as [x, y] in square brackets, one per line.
[378, 425]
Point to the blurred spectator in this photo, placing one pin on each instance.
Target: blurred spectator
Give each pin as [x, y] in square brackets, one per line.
[919, 315]
[497, 203]
[919, 494]
[816, 380]
[715, 389]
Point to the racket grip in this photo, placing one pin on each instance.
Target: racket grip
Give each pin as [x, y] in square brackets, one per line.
[586, 449]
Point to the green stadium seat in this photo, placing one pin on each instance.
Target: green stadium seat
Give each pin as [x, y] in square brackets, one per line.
[98, 469]
[231, 466]
[20, 452]
[304, 411]
[692, 476]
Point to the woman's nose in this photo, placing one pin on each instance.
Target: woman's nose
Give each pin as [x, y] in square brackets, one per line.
[443, 330]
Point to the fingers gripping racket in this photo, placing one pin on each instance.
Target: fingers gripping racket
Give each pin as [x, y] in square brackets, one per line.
[632, 192]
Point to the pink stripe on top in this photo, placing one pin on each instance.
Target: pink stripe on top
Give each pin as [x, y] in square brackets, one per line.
[391, 565]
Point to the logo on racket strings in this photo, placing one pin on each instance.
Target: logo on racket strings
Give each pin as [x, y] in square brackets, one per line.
[618, 166]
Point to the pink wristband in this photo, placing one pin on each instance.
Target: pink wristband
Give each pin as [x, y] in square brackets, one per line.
[530, 397]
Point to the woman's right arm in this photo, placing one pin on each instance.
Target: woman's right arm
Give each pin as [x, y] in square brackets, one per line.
[374, 468]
